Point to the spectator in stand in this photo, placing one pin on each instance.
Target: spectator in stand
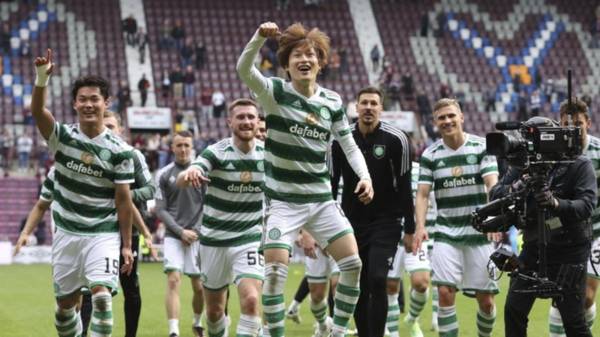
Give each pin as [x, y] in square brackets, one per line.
[490, 100]
[375, 57]
[178, 33]
[7, 148]
[445, 91]
[424, 24]
[218, 102]
[344, 66]
[206, 101]
[130, 29]
[142, 41]
[24, 147]
[516, 83]
[522, 101]
[165, 40]
[176, 78]
[186, 52]
[189, 78]
[200, 53]
[152, 147]
[200, 142]
[535, 103]
[123, 97]
[164, 151]
[334, 64]
[5, 39]
[42, 153]
[143, 86]
[441, 24]
[139, 142]
[408, 85]
[165, 85]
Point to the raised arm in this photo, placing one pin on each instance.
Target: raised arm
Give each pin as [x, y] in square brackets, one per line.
[245, 65]
[43, 118]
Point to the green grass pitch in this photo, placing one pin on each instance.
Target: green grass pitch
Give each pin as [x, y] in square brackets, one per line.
[27, 306]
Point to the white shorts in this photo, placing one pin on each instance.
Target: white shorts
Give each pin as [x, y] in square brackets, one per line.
[325, 221]
[221, 266]
[463, 267]
[84, 261]
[595, 259]
[181, 257]
[404, 261]
[319, 270]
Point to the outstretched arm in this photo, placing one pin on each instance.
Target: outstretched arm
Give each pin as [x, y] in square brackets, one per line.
[43, 118]
[245, 65]
[34, 218]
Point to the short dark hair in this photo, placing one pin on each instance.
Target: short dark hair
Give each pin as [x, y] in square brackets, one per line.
[242, 102]
[579, 107]
[91, 81]
[370, 90]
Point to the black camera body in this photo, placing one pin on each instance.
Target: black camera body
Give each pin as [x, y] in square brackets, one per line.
[533, 144]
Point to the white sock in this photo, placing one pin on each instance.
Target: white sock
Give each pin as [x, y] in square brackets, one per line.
[555, 324]
[197, 320]
[248, 325]
[174, 326]
[294, 306]
[590, 315]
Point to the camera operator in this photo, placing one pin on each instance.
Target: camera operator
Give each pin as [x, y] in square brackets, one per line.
[568, 196]
[591, 149]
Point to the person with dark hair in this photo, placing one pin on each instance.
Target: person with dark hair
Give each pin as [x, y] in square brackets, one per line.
[568, 197]
[378, 225]
[232, 219]
[180, 209]
[93, 204]
[261, 129]
[581, 117]
[143, 86]
[302, 116]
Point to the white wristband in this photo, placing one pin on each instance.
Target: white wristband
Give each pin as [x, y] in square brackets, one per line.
[41, 76]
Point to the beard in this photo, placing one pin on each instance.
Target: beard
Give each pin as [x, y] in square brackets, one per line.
[244, 135]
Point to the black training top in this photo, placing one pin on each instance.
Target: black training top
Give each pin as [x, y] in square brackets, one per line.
[388, 154]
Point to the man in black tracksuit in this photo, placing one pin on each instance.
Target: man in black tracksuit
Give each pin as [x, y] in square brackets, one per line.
[569, 199]
[377, 225]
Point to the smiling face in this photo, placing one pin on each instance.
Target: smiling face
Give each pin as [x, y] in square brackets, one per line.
[90, 106]
[303, 64]
[261, 130]
[113, 125]
[449, 120]
[243, 122]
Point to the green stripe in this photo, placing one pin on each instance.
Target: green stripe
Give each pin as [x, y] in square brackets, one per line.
[446, 320]
[285, 98]
[210, 156]
[348, 291]
[344, 306]
[426, 163]
[294, 153]
[462, 201]
[233, 206]
[297, 198]
[88, 211]
[102, 314]
[232, 242]
[71, 226]
[105, 329]
[223, 184]
[229, 225]
[49, 183]
[340, 234]
[270, 300]
[489, 169]
[296, 176]
[282, 124]
[466, 240]
[115, 158]
[454, 221]
[79, 187]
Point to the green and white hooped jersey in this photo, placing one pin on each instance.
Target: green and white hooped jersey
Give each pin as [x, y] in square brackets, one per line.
[592, 151]
[457, 179]
[46, 193]
[233, 205]
[299, 130]
[86, 171]
[431, 209]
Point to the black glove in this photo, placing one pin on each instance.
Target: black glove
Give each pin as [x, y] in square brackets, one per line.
[545, 198]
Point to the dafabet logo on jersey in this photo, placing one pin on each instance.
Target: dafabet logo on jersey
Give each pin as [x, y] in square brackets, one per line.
[309, 132]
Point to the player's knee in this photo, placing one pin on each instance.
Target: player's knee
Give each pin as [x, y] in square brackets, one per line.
[486, 304]
[214, 311]
[420, 282]
[350, 267]
[102, 301]
[446, 295]
[393, 286]
[173, 280]
[317, 293]
[249, 304]
[275, 277]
